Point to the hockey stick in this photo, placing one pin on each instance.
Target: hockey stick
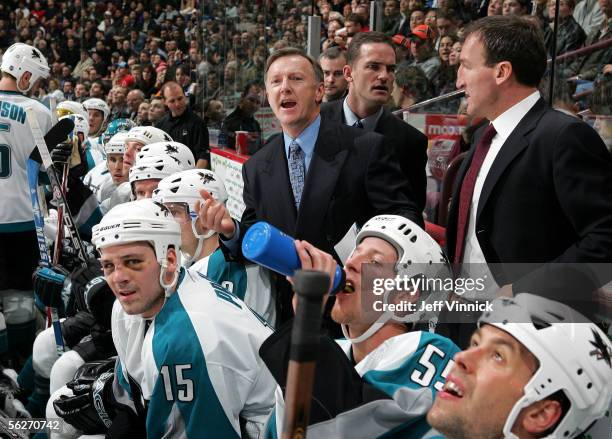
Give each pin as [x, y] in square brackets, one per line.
[57, 134]
[310, 287]
[9, 431]
[73, 233]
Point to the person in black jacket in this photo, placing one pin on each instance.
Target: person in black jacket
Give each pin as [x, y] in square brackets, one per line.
[183, 125]
[242, 118]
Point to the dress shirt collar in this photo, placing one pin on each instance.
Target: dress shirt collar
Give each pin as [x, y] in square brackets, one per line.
[306, 139]
[506, 122]
[350, 118]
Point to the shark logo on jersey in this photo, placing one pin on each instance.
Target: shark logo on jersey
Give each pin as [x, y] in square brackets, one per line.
[170, 149]
[601, 351]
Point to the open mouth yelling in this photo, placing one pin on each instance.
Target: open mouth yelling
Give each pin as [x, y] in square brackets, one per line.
[288, 104]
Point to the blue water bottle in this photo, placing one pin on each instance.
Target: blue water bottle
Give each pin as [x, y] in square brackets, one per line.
[265, 245]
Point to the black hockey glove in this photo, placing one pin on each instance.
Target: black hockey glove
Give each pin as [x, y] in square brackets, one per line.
[60, 155]
[90, 410]
[70, 259]
[48, 284]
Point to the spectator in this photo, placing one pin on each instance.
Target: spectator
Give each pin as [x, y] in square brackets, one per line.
[332, 62]
[183, 125]
[354, 24]
[570, 35]
[416, 17]
[142, 119]
[119, 107]
[85, 62]
[97, 90]
[68, 90]
[422, 50]
[588, 15]
[390, 16]
[147, 82]
[453, 57]
[515, 7]
[214, 113]
[494, 8]
[411, 86]
[133, 100]
[157, 110]
[587, 67]
[242, 118]
[444, 79]
[444, 26]
[80, 92]
[402, 26]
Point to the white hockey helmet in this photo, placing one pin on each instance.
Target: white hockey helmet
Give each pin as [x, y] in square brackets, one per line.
[81, 126]
[174, 149]
[116, 145]
[147, 135]
[574, 356]
[97, 104]
[184, 187]
[153, 168]
[20, 58]
[65, 108]
[418, 254]
[412, 243]
[136, 221]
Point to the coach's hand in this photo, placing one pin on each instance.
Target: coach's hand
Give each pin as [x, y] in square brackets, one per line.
[213, 215]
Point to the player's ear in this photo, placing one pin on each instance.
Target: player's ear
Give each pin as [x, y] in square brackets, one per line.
[540, 416]
[24, 81]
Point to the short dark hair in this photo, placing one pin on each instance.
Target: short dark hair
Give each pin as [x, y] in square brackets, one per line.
[333, 53]
[247, 88]
[355, 18]
[362, 38]
[513, 39]
[294, 51]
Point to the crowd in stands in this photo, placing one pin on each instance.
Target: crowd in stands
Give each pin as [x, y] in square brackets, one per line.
[125, 51]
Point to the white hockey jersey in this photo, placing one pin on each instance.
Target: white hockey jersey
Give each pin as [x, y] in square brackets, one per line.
[195, 364]
[410, 369]
[251, 282]
[16, 144]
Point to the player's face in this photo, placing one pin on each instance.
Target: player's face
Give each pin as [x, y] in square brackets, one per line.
[478, 79]
[293, 93]
[114, 162]
[144, 188]
[347, 309]
[129, 156]
[372, 74]
[489, 376]
[96, 118]
[132, 272]
[180, 213]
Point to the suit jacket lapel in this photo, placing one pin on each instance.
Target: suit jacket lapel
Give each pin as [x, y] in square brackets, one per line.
[512, 147]
[325, 166]
[275, 177]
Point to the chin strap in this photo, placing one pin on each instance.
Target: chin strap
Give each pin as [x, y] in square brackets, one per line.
[373, 329]
[167, 286]
[189, 260]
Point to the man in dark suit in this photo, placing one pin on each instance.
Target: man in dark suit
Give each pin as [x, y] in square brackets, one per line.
[535, 186]
[318, 177]
[370, 72]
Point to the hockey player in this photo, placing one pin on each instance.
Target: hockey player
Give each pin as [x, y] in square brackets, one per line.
[116, 126]
[535, 368]
[105, 177]
[139, 137]
[383, 380]
[200, 251]
[22, 67]
[188, 363]
[173, 149]
[98, 112]
[147, 172]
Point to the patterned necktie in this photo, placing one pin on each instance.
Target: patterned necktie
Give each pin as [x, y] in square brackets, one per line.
[358, 124]
[467, 189]
[296, 171]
